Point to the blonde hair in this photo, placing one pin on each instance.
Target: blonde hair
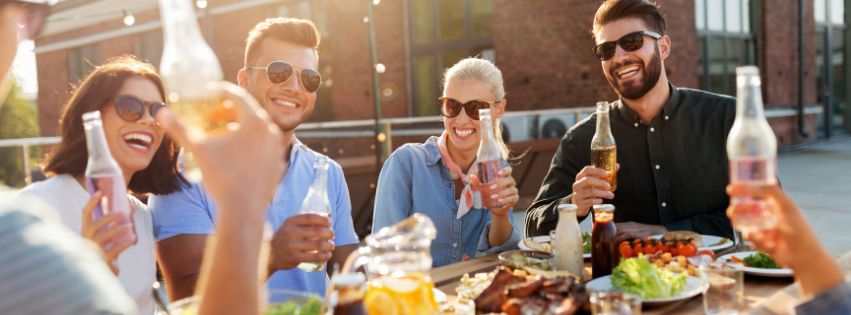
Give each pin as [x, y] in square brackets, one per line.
[485, 71]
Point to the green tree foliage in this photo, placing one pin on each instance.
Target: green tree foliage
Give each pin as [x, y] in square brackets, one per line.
[18, 119]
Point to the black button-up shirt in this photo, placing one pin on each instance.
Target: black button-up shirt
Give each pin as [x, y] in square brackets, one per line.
[673, 172]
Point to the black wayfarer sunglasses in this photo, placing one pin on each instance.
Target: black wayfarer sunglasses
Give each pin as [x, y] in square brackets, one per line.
[451, 108]
[279, 72]
[629, 42]
[131, 109]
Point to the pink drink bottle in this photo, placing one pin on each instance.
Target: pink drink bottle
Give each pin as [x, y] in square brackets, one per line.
[104, 174]
[490, 161]
[752, 151]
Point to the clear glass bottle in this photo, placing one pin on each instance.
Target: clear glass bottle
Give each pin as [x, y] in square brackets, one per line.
[188, 66]
[752, 151]
[567, 241]
[603, 148]
[317, 202]
[490, 160]
[103, 174]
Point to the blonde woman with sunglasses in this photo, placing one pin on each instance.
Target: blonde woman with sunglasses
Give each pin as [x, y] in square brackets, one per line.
[439, 177]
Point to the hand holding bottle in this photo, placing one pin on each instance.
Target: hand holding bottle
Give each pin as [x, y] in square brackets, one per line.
[105, 230]
[590, 188]
[502, 190]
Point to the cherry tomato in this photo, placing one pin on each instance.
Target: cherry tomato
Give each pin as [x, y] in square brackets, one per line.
[674, 250]
[649, 250]
[707, 252]
[638, 249]
[663, 247]
[688, 250]
[626, 252]
[636, 241]
[624, 244]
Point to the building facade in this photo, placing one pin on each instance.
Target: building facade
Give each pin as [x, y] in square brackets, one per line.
[542, 47]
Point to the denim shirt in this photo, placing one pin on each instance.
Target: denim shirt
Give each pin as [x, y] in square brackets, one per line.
[415, 180]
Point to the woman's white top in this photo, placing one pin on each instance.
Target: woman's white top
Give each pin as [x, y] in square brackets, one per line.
[137, 264]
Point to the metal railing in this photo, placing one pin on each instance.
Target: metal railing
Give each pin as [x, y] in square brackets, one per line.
[25, 148]
[320, 129]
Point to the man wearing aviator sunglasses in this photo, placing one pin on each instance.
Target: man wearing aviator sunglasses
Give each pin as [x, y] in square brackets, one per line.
[280, 72]
[671, 142]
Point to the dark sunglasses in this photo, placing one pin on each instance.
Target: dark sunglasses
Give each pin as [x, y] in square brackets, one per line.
[132, 109]
[451, 108]
[31, 16]
[629, 42]
[279, 72]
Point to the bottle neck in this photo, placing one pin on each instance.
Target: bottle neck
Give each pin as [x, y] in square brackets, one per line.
[488, 149]
[100, 161]
[603, 128]
[320, 176]
[180, 25]
[749, 97]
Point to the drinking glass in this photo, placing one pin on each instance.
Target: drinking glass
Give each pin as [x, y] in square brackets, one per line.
[725, 289]
[615, 303]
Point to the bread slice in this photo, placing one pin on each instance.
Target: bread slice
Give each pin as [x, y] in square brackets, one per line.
[681, 235]
[534, 245]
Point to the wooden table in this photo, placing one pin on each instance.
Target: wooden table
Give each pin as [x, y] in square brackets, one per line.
[778, 292]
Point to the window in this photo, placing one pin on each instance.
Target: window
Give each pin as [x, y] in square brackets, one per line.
[81, 61]
[149, 46]
[315, 11]
[831, 67]
[442, 33]
[725, 29]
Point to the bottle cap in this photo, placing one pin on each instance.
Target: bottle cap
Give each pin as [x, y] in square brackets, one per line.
[93, 115]
[604, 208]
[567, 207]
[747, 70]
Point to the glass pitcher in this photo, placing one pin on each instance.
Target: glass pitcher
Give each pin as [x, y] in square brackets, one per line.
[398, 260]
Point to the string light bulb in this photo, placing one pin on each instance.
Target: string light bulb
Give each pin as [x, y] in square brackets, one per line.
[201, 3]
[380, 68]
[128, 18]
[376, 2]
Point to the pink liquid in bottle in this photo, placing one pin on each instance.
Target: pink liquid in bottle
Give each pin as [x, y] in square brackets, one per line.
[489, 173]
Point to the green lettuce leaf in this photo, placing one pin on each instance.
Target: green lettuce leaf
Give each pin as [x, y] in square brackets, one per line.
[640, 277]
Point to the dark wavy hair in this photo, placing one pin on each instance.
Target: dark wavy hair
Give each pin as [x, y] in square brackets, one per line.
[613, 10]
[70, 156]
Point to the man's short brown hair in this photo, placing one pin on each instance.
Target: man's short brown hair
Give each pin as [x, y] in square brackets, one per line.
[296, 31]
[613, 10]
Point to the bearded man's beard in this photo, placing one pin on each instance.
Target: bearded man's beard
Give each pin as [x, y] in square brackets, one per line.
[650, 76]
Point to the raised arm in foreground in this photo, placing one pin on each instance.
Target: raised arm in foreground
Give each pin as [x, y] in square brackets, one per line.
[241, 173]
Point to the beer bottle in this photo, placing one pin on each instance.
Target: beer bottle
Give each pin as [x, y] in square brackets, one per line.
[317, 201]
[752, 151]
[103, 174]
[490, 160]
[188, 66]
[603, 148]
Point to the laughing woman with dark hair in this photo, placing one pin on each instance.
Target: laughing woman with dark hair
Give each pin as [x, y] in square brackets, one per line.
[127, 92]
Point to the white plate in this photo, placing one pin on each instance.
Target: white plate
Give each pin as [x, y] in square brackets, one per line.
[707, 239]
[693, 288]
[541, 239]
[779, 273]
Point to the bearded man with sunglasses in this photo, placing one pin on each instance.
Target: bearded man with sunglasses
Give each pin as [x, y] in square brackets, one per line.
[671, 141]
[280, 72]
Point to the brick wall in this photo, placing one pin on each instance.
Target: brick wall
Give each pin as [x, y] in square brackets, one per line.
[542, 46]
[544, 51]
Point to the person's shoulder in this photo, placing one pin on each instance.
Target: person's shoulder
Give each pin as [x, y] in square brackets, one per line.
[582, 129]
[51, 190]
[410, 151]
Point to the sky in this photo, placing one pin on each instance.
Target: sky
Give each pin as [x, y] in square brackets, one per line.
[24, 67]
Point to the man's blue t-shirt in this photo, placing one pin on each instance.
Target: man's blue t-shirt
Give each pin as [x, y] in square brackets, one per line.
[192, 211]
